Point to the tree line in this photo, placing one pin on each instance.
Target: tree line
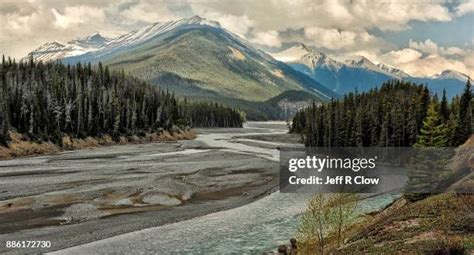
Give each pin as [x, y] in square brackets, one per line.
[205, 114]
[392, 115]
[49, 100]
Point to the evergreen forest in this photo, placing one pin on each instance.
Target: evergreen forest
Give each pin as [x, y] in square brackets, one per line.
[46, 101]
[399, 114]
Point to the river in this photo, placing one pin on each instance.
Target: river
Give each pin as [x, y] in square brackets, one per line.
[249, 229]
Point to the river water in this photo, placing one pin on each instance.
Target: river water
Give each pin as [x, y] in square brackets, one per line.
[250, 229]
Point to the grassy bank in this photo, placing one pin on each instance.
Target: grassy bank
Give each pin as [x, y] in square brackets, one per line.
[22, 145]
[440, 224]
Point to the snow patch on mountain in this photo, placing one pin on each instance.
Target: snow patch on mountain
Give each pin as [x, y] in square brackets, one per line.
[148, 32]
[451, 74]
[96, 42]
[303, 55]
[293, 54]
[57, 50]
[362, 62]
[393, 70]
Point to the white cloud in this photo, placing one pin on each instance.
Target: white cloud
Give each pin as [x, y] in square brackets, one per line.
[28, 24]
[434, 64]
[372, 55]
[465, 7]
[269, 38]
[401, 56]
[330, 38]
[469, 63]
[431, 47]
[333, 24]
[239, 25]
[413, 62]
[146, 12]
[336, 39]
[340, 26]
[75, 15]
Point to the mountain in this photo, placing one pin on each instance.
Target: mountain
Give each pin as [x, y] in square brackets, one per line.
[451, 81]
[393, 71]
[57, 50]
[316, 65]
[359, 73]
[207, 58]
[280, 107]
[93, 41]
[302, 55]
[288, 103]
[451, 74]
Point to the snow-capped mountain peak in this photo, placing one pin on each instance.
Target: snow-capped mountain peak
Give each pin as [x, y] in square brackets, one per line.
[302, 54]
[292, 54]
[52, 46]
[451, 74]
[95, 40]
[198, 20]
[155, 29]
[361, 62]
[393, 70]
[56, 50]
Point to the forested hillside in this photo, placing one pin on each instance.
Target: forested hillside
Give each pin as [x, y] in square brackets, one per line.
[49, 100]
[398, 114]
[390, 116]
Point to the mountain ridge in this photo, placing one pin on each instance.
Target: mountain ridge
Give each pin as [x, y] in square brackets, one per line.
[266, 75]
[57, 50]
[201, 51]
[358, 73]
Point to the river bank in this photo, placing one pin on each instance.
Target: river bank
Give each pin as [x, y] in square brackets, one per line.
[22, 146]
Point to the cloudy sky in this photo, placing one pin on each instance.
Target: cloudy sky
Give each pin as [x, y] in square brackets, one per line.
[422, 37]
